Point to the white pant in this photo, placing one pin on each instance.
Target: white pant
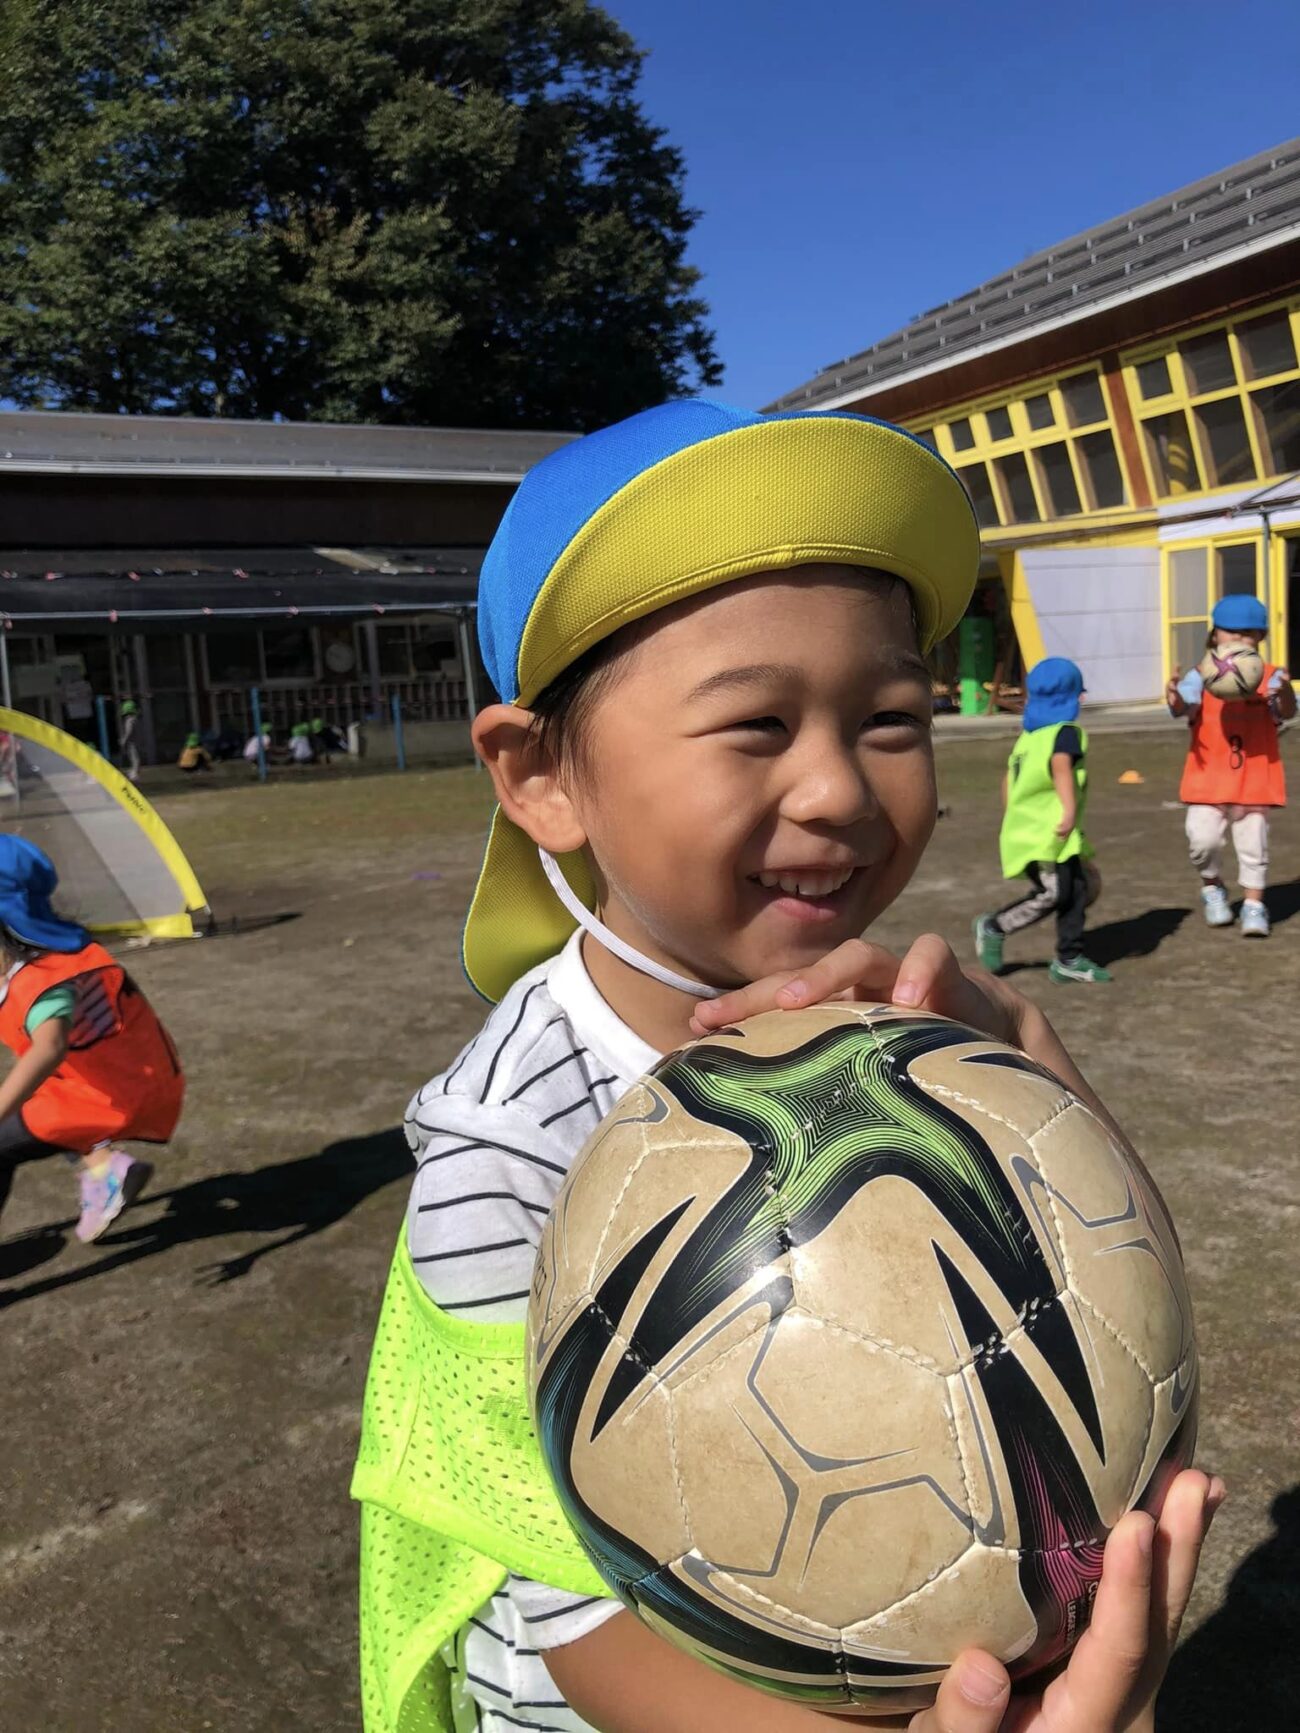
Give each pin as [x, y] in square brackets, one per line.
[1207, 830]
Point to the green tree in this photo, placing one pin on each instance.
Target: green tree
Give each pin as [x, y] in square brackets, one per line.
[437, 211]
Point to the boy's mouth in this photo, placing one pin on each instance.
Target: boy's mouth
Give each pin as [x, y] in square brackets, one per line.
[807, 893]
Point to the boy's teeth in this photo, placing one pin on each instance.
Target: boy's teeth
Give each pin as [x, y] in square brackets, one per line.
[805, 884]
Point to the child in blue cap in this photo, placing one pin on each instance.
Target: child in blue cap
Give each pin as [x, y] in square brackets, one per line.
[1044, 794]
[713, 765]
[1233, 776]
[93, 1063]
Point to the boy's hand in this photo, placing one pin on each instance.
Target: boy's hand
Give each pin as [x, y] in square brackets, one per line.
[928, 978]
[1172, 695]
[1066, 825]
[1110, 1682]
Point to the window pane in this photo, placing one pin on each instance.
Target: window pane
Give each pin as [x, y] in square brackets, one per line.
[960, 434]
[1170, 451]
[1237, 570]
[1084, 402]
[1058, 479]
[1187, 643]
[1040, 411]
[1187, 593]
[1278, 410]
[975, 479]
[1266, 346]
[927, 438]
[1224, 444]
[1017, 489]
[394, 645]
[1153, 377]
[289, 653]
[1208, 361]
[1103, 477]
[431, 646]
[999, 423]
[232, 658]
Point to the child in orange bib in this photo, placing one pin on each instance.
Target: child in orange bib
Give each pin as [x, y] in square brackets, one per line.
[94, 1064]
[1233, 774]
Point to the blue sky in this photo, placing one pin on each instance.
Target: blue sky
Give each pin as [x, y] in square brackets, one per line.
[858, 162]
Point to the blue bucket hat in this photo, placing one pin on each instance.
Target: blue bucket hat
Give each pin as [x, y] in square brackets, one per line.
[666, 505]
[1240, 614]
[27, 882]
[1054, 686]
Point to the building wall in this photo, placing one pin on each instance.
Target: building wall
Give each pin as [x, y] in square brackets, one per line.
[1101, 608]
[78, 511]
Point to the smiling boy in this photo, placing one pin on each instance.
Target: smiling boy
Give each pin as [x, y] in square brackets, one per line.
[714, 772]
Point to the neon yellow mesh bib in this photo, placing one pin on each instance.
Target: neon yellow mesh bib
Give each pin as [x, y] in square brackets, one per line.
[1033, 806]
[454, 1495]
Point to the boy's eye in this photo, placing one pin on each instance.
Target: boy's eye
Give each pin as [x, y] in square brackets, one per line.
[761, 725]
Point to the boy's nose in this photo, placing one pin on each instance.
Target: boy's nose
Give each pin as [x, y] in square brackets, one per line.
[829, 787]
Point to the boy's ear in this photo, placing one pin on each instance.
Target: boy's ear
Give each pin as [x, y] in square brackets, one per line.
[526, 778]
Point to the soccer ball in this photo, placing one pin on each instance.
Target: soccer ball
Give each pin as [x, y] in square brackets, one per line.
[852, 1335]
[1232, 670]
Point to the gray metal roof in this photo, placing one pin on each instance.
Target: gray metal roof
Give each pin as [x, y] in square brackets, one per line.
[1253, 205]
[154, 584]
[48, 442]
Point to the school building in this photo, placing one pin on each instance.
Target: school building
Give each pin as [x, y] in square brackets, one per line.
[186, 563]
[1124, 410]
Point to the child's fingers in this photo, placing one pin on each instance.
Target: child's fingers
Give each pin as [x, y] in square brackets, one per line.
[930, 975]
[854, 964]
[1181, 1528]
[868, 971]
[1107, 1664]
[972, 1698]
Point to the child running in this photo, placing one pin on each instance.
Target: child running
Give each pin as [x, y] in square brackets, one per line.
[94, 1064]
[1044, 793]
[714, 771]
[1233, 775]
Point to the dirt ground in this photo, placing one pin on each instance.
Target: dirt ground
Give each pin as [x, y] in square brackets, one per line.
[177, 1550]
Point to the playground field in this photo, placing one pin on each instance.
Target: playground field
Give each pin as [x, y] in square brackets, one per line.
[181, 1402]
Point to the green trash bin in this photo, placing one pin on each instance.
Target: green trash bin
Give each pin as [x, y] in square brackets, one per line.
[974, 663]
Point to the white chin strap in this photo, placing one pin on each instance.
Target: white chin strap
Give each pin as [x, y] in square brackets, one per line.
[611, 941]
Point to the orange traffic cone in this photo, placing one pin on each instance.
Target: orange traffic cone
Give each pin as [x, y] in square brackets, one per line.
[1132, 776]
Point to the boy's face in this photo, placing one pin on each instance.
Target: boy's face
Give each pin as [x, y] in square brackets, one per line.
[759, 780]
[1223, 636]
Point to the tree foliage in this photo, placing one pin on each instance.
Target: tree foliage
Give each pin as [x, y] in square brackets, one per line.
[436, 211]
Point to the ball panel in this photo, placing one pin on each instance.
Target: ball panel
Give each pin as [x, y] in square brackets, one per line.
[1117, 1243]
[628, 1470]
[863, 1272]
[977, 1601]
[820, 1471]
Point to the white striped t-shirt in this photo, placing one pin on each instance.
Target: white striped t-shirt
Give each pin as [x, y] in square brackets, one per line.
[493, 1138]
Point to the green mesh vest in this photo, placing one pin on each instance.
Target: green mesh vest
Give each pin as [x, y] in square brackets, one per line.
[454, 1495]
[1034, 807]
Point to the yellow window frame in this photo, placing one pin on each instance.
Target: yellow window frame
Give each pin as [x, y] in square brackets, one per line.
[1025, 440]
[1210, 548]
[1182, 396]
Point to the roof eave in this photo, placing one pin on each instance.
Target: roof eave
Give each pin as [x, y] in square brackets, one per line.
[864, 392]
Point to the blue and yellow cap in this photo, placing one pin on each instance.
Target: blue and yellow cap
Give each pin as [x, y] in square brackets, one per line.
[657, 508]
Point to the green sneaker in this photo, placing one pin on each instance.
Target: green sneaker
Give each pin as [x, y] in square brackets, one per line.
[988, 943]
[1079, 970]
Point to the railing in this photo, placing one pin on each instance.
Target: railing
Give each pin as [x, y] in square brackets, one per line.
[424, 698]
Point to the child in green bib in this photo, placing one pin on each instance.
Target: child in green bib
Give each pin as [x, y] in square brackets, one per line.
[1045, 792]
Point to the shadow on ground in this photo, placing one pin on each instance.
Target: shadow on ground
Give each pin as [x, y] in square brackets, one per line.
[1240, 1670]
[287, 1202]
[1111, 941]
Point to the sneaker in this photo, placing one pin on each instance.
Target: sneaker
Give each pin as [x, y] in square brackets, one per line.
[1254, 921]
[1218, 910]
[104, 1196]
[1080, 969]
[988, 943]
